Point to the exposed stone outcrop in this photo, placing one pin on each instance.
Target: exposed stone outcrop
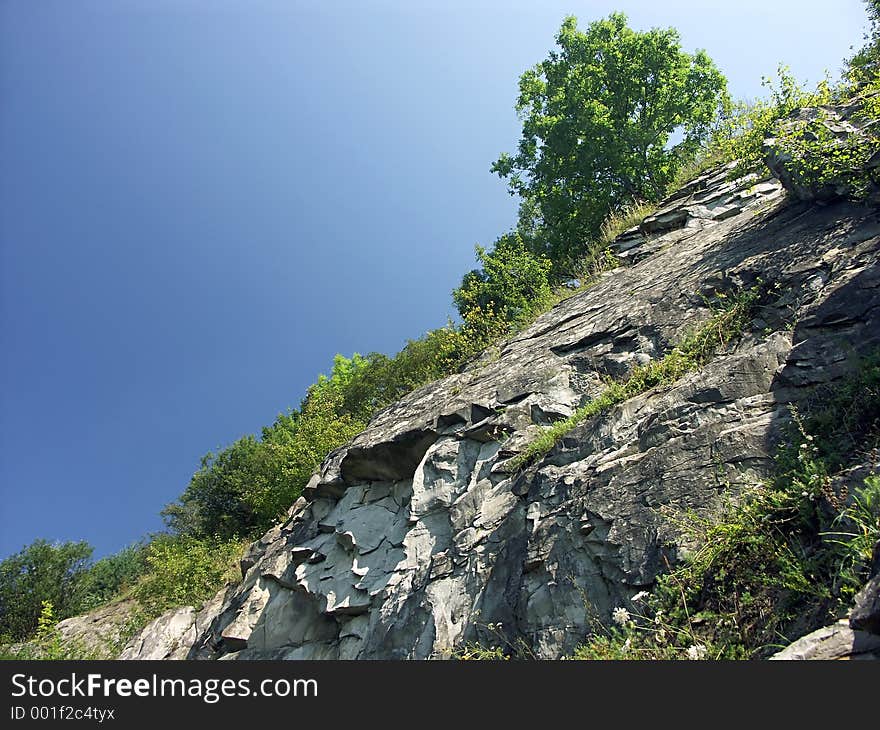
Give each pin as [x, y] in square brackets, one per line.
[837, 641]
[171, 635]
[865, 615]
[706, 200]
[418, 536]
[98, 634]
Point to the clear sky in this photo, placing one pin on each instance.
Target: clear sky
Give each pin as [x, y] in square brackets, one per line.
[202, 202]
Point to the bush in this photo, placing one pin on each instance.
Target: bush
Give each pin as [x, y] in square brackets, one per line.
[740, 133]
[512, 282]
[863, 67]
[186, 571]
[822, 163]
[47, 643]
[245, 488]
[108, 577]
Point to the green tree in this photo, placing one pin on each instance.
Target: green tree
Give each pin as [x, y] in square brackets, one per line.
[598, 117]
[512, 282]
[185, 570]
[864, 65]
[42, 571]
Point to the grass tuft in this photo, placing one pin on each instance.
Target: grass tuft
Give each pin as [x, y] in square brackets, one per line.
[691, 353]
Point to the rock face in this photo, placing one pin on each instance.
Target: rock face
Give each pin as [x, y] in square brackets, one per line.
[418, 536]
[97, 633]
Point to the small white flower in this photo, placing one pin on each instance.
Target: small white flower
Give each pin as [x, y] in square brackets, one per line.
[627, 644]
[640, 596]
[658, 619]
[804, 494]
[696, 652]
[620, 616]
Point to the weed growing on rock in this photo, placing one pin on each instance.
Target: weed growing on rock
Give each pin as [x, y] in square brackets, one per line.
[727, 322]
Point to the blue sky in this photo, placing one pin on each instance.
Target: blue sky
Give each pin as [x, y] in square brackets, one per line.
[202, 202]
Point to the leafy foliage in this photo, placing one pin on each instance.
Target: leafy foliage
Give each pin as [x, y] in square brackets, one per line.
[512, 282]
[740, 133]
[825, 163]
[598, 115]
[110, 576]
[47, 643]
[185, 571]
[243, 489]
[386, 379]
[864, 66]
[41, 572]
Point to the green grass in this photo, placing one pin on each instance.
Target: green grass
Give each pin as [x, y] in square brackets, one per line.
[624, 219]
[696, 349]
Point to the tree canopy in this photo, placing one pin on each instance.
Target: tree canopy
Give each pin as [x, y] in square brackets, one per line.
[42, 571]
[862, 67]
[599, 116]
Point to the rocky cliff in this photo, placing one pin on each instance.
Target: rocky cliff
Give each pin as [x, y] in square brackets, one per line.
[419, 536]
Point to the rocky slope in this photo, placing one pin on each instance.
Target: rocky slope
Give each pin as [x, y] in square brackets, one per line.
[418, 536]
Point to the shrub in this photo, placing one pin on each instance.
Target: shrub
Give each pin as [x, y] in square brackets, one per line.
[245, 488]
[185, 571]
[823, 163]
[47, 643]
[863, 67]
[740, 133]
[512, 283]
[111, 576]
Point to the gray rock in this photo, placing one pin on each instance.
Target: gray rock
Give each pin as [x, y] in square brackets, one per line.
[99, 632]
[837, 641]
[710, 199]
[865, 615]
[167, 637]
